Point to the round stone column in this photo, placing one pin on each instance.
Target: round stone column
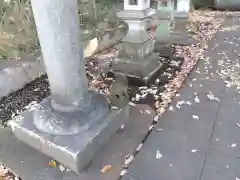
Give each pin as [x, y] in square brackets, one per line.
[70, 105]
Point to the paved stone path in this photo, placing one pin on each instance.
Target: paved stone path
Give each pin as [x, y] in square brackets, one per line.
[200, 141]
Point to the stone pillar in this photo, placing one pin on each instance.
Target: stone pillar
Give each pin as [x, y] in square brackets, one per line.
[63, 59]
[136, 58]
[73, 122]
[164, 12]
[180, 34]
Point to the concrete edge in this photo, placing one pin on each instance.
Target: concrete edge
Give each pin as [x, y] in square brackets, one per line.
[16, 74]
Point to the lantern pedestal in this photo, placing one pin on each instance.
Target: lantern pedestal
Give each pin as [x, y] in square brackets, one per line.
[180, 34]
[136, 52]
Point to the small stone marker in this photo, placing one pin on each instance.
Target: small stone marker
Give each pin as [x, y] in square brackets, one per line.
[136, 58]
[73, 123]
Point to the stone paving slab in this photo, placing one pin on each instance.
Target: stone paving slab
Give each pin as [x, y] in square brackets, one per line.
[220, 166]
[32, 165]
[177, 161]
[188, 145]
[227, 129]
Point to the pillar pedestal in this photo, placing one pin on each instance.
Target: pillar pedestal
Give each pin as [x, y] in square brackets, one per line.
[73, 123]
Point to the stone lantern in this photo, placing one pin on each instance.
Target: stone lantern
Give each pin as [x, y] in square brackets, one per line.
[136, 57]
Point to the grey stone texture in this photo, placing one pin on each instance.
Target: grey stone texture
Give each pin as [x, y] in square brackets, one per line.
[136, 58]
[198, 141]
[15, 74]
[226, 4]
[73, 123]
[30, 164]
[74, 151]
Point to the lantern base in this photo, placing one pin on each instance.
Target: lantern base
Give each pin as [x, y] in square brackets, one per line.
[74, 151]
[164, 48]
[141, 70]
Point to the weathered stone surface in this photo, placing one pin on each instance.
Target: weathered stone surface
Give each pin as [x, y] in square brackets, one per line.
[75, 151]
[220, 166]
[15, 76]
[136, 51]
[30, 164]
[226, 4]
[136, 58]
[135, 68]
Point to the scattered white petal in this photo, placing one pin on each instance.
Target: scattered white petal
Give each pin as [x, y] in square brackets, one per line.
[194, 150]
[147, 111]
[196, 99]
[170, 108]
[114, 107]
[211, 97]
[233, 145]
[158, 155]
[142, 87]
[128, 160]
[150, 128]
[156, 118]
[188, 103]
[238, 124]
[62, 168]
[123, 172]
[195, 117]
[139, 147]
[237, 178]
[159, 129]
[122, 126]
[137, 97]
[132, 104]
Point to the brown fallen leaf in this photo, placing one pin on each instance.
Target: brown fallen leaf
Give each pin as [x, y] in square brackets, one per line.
[106, 168]
[3, 172]
[52, 163]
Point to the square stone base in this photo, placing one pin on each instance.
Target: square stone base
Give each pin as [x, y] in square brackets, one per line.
[136, 69]
[181, 24]
[164, 48]
[73, 151]
[182, 38]
[135, 50]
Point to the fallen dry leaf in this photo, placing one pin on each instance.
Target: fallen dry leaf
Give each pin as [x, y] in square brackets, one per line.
[106, 168]
[52, 163]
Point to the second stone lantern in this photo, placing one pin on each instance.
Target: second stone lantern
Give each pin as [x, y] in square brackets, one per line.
[136, 58]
